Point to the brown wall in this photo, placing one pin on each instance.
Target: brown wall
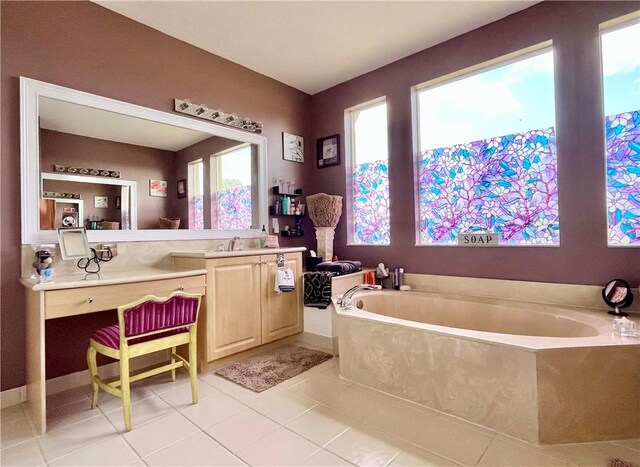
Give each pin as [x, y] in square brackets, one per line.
[84, 46]
[137, 163]
[583, 257]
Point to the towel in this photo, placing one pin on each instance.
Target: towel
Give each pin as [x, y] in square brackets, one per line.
[341, 267]
[317, 289]
[285, 281]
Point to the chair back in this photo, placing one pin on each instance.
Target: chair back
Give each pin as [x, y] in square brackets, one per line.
[153, 314]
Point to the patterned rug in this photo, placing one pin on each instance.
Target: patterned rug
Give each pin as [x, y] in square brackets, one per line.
[267, 369]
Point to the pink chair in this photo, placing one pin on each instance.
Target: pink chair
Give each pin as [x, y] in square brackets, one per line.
[145, 326]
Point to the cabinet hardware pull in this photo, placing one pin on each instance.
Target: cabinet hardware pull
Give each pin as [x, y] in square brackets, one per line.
[265, 262]
[258, 263]
[181, 289]
[89, 300]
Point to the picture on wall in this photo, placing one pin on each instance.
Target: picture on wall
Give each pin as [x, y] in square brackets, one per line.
[182, 188]
[100, 201]
[292, 147]
[158, 188]
[328, 151]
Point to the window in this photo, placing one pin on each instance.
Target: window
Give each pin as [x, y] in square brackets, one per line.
[486, 154]
[368, 190]
[196, 194]
[621, 90]
[231, 207]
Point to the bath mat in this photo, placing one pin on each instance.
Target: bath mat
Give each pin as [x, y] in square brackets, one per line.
[617, 462]
[267, 369]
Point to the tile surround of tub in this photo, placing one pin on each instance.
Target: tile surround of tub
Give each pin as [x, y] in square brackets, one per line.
[589, 296]
[132, 255]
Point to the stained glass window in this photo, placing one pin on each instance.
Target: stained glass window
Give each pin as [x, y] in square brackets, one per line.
[621, 86]
[231, 207]
[196, 195]
[487, 159]
[369, 175]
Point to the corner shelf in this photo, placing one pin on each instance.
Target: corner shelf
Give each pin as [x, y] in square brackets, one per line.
[275, 190]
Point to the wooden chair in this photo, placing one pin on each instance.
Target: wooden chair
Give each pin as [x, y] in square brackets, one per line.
[145, 326]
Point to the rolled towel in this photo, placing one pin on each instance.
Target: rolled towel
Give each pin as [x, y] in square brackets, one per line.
[341, 267]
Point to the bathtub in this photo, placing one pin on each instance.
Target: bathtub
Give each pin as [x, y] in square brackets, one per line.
[545, 374]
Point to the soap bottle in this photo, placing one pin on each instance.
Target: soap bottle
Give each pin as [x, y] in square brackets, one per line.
[263, 237]
[398, 278]
[285, 202]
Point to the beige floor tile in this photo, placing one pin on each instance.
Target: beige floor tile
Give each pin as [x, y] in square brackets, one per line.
[334, 372]
[110, 452]
[249, 397]
[58, 443]
[212, 410]
[68, 397]
[629, 443]
[411, 456]
[219, 382]
[284, 406]
[318, 387]
[197, 450]
[162, 382]
[15, 432]
[142, 411]
[180, 397]
[593, 453]
[107, 402]
[324, 458]
[461, 442]
[158, 434]
[321, 424]
[62, 416]
[398, 419]
[363, 445]
[356, 402]
[324, 366]
[26, 453]
[13, 414]
[280, 448]
[505, 452]
[287, 383]
[242, 429]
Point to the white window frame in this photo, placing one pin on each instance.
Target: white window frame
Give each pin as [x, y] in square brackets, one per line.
[488, 65]
[349, 149]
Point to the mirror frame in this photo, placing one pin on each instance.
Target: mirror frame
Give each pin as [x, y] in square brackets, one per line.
[30, 92]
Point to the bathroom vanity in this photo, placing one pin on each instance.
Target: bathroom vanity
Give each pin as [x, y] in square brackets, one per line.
[241, 309]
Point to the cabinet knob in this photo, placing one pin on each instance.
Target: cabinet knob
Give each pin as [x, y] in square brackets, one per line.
[180, 289]
[89, 300]
[265, 262]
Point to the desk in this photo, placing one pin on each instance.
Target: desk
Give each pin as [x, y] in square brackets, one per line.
[76, 294]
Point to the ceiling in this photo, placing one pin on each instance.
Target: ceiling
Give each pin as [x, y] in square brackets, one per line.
[314, 45]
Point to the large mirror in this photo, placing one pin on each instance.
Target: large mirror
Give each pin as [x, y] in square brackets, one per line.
[125, 172]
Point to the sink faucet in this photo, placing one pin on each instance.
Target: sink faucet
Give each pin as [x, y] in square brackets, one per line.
[345, 299]
[232, 243]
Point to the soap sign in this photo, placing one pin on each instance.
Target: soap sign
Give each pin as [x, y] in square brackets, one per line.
[478, 239]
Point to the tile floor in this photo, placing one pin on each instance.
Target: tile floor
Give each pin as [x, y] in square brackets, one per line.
[314, 419]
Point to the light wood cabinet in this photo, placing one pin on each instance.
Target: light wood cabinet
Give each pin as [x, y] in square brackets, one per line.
[242, 310]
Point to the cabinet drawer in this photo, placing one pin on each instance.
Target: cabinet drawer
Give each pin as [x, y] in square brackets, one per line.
[69, 302]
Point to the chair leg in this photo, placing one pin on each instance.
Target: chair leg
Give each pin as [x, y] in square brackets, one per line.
[173, 360]
[126, 392]
[193, 369]
[93, 373]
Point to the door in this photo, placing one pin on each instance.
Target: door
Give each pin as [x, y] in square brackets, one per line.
[233, 306]
[281, 312]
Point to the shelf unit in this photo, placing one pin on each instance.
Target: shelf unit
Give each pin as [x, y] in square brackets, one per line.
[273, 211]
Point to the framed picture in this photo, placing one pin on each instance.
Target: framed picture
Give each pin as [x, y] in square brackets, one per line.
[328, 151]
[158, 188]
[292, 147]
[117, 202]
[100, 202]
[182, 188]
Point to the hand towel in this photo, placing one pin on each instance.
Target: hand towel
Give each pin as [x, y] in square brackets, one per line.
[285, 281]
[341, 267]
[317, 289]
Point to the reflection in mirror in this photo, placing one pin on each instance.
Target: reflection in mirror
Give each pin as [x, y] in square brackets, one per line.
[105, 170]
[617, 294]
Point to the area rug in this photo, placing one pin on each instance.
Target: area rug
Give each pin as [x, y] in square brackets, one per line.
[267, 369]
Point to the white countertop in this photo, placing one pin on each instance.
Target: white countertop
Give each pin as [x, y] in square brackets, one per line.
[118, 276]
[228, 254]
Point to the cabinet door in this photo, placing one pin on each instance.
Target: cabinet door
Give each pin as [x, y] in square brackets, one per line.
[281, 312]
[233, 306]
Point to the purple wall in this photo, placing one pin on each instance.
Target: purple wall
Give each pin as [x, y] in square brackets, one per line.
[583, 257]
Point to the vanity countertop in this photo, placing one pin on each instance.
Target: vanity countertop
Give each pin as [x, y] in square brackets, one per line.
[228, 254]
[119, 276]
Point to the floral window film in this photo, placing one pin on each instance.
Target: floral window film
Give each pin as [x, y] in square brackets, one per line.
[621, 90]
[196, 195]
[487, 158]
[370, 176]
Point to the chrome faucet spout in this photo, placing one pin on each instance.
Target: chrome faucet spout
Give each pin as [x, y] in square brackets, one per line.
[232, 243]
[345, 300]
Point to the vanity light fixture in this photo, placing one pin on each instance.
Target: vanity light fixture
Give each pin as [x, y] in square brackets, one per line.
[217, 116]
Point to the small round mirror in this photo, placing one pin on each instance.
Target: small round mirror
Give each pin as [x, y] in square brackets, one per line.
[617, 294]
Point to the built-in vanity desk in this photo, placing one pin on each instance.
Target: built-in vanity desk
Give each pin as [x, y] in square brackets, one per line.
[75, 294]
[242, 310]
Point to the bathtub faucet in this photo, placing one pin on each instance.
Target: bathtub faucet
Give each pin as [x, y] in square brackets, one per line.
[345, 300]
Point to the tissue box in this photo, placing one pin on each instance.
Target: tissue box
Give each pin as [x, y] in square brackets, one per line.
[310, 262]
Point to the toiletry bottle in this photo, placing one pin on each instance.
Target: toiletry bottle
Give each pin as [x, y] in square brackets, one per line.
[398, 278]
[284, 205]
[263, 237]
